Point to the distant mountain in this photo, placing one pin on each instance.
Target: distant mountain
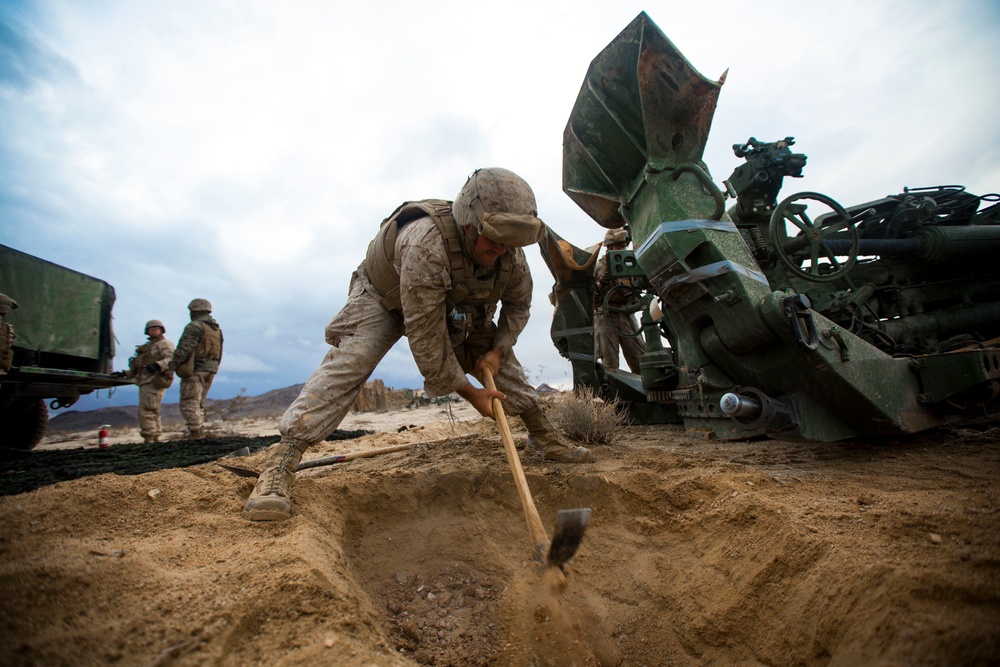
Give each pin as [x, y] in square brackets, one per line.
[268, 405]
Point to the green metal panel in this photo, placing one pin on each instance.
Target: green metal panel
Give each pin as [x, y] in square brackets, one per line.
[881, 318]
[60, 311]
[609, 144]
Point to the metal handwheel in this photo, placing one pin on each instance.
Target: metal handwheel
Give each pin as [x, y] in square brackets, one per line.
[632, 304]
[811, 241]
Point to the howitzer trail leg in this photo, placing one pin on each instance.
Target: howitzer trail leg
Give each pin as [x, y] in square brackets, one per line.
[271, 499]
[543, 438]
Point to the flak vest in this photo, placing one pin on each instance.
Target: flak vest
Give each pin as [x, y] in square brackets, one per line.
[144, 355]
[209, 347]
[467, 290]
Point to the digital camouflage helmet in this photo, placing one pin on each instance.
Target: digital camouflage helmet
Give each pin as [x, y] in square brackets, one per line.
[500, 205]
[200, 306]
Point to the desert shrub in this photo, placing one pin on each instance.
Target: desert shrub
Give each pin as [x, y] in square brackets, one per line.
[227, 412]
[582, 415]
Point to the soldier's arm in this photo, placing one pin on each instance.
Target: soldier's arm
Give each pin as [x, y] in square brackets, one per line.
[601, 277]
[165, 351]
[515, 306]
[424, 280]
[186, 345]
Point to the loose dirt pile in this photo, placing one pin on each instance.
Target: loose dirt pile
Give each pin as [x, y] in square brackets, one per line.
[698, 552]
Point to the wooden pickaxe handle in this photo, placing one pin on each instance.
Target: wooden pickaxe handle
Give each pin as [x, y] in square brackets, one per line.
[535, 527]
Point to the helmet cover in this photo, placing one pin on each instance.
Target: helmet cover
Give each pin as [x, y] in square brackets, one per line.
[501, 205]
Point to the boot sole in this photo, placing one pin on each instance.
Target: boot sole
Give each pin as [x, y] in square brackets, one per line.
[588, 458]
[264, 514]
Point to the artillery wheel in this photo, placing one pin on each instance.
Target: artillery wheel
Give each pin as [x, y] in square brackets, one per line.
[810, 243]
[23, 423]
[632, 304]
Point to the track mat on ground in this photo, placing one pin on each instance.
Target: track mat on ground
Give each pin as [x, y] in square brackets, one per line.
[22, 471]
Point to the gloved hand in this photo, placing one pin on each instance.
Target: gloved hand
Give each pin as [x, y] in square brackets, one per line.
[153, 368]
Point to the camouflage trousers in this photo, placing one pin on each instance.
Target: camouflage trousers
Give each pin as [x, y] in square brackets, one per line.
[607, 340]
[330, 391]
[150, 399]
[194, 389]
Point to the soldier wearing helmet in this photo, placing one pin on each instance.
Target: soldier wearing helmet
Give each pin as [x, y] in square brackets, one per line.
[196, 361]
[148, 368]
[611, 325]
[452, 278]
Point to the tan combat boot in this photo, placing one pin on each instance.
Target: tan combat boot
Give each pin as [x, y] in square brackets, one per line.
[271, 499]
[149, 439]
[542, 437]
[196, 434]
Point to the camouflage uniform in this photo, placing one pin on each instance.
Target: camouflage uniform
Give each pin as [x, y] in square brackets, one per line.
[606, 339]
[364, 331]
[202, 337]
[435, 272]
[152, 384]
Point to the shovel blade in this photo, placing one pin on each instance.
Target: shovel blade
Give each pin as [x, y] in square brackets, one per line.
[570, 527]
[236, 470]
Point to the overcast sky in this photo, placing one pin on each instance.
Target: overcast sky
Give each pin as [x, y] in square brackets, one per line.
[246, 151]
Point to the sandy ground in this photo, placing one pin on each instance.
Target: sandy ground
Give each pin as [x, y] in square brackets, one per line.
[698, 553]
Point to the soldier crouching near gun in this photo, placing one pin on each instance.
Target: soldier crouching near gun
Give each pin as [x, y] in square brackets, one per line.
[196, 361]
[434, 273]
[148, 369]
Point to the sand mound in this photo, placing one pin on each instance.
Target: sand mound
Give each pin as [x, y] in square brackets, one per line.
[698, 552]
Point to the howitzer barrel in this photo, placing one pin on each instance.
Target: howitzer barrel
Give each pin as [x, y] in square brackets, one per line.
[945, 323]
[945, 244]
[931, 244]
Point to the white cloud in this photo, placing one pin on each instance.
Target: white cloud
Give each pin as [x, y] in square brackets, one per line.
[246, 150]
[237, 362]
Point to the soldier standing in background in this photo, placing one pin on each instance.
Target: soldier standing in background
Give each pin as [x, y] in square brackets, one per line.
[148, 369]
[438, 273]
[196, 361]
[606, 338]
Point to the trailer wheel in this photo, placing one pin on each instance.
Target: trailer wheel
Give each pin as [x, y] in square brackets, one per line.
[23, 423]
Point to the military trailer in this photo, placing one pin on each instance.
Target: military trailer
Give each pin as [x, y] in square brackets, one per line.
[56, 343]
[791, 317]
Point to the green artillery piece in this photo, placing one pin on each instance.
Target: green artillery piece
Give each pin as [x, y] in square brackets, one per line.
[795, 319]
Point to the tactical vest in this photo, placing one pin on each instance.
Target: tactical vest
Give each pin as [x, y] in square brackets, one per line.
[210, 345]
[606, 283]
[465, 287]
[143, 356]
[209, 348]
